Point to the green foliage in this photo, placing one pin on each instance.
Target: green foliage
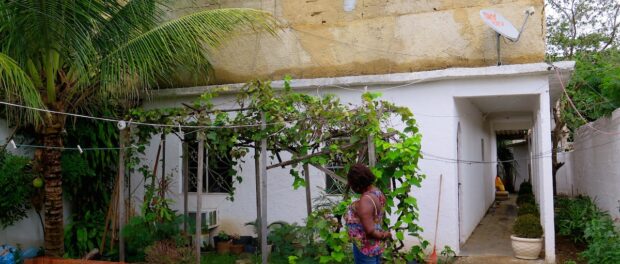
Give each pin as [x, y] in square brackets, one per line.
[286, 240]
[447, 255]
[223, 236]
[312, 130]
[528, 208]
[603, 241]
[573, 215]
[527, 226]
[142, 232]
[16, 188]
[525, 188]
[88, 181]
[594, 88]
[84, 235]
[212, 257]
[579, 26]
[525, 199]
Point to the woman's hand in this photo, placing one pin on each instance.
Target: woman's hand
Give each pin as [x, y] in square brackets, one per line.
[387, 235]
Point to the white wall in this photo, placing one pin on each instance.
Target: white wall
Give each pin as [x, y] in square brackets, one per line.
[433, 104]
[592, 168]
[521, 153]
[475, 178]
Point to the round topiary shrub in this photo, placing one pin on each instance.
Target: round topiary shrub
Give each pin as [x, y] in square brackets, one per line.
[525, 188]
[525, 199]
[528, 208]
[527, 226]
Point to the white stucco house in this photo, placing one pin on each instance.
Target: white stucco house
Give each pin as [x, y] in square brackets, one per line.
[459, 112]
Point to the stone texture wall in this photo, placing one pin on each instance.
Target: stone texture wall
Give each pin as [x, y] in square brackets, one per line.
[319, 39]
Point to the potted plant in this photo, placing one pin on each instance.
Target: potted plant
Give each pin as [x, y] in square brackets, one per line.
[237, 247]
[222, 243]
[527, 237]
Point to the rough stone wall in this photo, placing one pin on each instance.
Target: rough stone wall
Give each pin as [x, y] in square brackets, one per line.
[319, 39]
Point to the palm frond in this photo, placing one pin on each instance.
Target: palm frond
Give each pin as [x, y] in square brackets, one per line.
[16, 87]
[184, 41]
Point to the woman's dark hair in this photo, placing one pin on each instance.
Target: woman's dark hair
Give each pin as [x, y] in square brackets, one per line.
[360, 177]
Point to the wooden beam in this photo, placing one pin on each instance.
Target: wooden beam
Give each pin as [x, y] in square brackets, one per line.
[308, 191]
[121, 194]
[185, 175]
[201, 158]
[263, 193]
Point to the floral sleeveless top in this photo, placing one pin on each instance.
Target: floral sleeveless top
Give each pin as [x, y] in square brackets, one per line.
[368, 246]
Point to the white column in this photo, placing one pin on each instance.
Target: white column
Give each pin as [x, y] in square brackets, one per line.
[546, 180]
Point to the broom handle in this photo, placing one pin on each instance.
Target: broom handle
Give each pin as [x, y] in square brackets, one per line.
[438, 204]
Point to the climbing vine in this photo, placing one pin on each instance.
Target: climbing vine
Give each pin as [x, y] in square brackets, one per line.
[314, 131]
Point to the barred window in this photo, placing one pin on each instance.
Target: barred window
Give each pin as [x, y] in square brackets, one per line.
[219, 178]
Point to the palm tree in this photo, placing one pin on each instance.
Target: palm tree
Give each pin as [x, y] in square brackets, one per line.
[62, 55]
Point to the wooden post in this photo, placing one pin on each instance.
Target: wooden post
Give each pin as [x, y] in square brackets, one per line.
[372, 159]
[163, 162]
[258, 197]
[121, 194]
[263, 193]
[199, 174]
[308, 193]
[185, 176]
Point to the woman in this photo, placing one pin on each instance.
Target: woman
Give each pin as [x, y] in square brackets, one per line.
[365, 216]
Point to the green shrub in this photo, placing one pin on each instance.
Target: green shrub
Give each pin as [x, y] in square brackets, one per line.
[572, 216]
[528, 208]
[525, 199]
[16, 186]
[81, 236]
[603, 241]
[525, 188]
[142, 232]
[527, 226]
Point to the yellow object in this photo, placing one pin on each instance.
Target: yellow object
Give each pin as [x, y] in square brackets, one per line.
[499, 185]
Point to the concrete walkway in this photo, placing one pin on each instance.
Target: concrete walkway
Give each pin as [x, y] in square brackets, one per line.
[492, 236]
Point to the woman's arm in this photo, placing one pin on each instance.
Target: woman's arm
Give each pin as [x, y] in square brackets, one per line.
[366, 212]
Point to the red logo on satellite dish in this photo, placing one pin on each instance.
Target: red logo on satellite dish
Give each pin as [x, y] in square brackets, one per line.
[493, 18]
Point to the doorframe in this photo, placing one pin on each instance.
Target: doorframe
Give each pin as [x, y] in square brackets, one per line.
[459, 149]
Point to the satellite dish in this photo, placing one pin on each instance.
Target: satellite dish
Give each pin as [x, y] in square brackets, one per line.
[503, 27]
[500, 24]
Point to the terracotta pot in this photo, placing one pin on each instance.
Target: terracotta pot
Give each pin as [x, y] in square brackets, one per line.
[223, 247]
[526, 248]
[236, 249]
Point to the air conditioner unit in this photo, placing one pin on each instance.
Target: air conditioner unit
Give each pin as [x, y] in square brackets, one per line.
[209, 218]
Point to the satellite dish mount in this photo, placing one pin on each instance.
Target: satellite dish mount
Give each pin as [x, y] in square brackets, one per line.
[503, 27]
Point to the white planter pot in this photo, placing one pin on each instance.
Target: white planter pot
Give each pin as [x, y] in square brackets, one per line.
[526, 248]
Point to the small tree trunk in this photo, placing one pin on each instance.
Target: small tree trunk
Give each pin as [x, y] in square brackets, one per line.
[48, 162]
[556, 137]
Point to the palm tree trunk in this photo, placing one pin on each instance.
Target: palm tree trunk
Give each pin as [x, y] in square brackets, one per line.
[48, 163]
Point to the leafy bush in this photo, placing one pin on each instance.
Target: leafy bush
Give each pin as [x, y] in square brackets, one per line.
[526, 188]
[525, 199]
[142, 232]
[84, 235]
[528, 208]
[572, 216]
[16, 187]
[603, 241]
[285, 240]
[527, 226]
